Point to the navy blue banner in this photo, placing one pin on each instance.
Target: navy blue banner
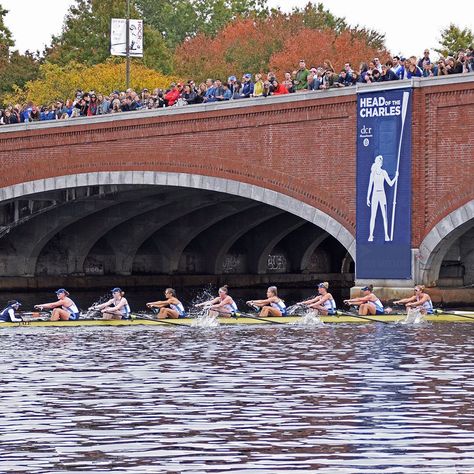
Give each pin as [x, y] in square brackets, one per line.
[383, 234]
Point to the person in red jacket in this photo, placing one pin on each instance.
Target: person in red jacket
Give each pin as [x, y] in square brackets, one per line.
[172, 95]
[279, 89]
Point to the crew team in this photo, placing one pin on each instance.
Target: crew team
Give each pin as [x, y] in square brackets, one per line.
[117, 307]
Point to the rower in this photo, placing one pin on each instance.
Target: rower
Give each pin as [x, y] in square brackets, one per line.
[64, 309]
[323, 303]
[169, 308]
[222, 305]
[116, 308]
[419, 300]
[271, 306]
[368, 304]
[7, 315]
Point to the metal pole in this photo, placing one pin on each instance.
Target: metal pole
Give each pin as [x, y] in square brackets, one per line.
[127, 79]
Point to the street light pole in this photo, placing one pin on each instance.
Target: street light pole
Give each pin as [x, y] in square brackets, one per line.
[127, 39]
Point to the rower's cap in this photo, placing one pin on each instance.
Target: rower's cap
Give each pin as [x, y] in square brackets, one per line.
[321, 285]
[14, 303]
[116, 290]
[61, 290]
[366, 288]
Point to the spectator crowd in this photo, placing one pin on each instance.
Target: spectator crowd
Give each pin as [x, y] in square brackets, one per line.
[215, 90]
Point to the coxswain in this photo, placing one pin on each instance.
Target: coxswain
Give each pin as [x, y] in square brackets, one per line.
[116, 308]
[222, 305]
[171, 307]
[271, 306]
[419, 300]
[324, 303]
[7, 315]
[64, 309]
[368, 304]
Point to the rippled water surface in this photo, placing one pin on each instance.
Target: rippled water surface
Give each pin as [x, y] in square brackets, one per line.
[331, 399]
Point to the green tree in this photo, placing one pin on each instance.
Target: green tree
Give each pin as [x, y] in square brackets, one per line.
[85, 37]
[453, 39]
[15, 69]
[179, 20]
[6, 41]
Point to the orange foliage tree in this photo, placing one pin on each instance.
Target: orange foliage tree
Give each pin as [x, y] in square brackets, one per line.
[276, 42]
[317, 45]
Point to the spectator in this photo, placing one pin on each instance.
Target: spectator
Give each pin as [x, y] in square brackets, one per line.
[301, 79]
[288, 83]
[412, 70]
[227, 92]
[378, 65]
[172, 95]
[210, 95]
[387, 72]
[231, 81]
[330, 80]
[424, 59]
[397, 67]
[314, 81]
[258, 86]
[189, 95]
[453, 66]
[377, 77]
[279, 89]
[93, 108]
[219, 90]
[344, 78]
[470, 60]
[247, 86]
[363, 70]
[201, 93]
[442, 69]
[104, 104]
[237, 94]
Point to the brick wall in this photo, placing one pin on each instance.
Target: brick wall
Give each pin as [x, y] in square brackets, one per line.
[302, 146]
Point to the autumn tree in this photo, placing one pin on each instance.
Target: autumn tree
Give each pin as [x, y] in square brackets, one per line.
[15, 68]
[454, 39]
[315, 46]
[278, 41]
[179, 20]
[85, 37]
[60, 82]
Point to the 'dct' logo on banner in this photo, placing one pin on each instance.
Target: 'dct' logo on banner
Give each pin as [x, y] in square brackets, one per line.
[384, 184]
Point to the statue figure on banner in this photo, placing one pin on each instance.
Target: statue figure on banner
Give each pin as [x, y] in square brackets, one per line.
[376, 196]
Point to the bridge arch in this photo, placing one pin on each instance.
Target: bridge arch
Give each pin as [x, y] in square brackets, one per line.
[186, 180]
[439, 240]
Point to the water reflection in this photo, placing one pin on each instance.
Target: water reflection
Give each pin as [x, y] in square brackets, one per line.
[338, 399]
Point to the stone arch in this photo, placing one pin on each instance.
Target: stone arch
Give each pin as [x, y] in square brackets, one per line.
[187, 180]
[439, 240]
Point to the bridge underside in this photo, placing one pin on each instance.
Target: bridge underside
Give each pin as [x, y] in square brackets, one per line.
[87, 236]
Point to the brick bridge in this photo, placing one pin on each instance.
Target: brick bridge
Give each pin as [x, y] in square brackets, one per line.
[257, 190]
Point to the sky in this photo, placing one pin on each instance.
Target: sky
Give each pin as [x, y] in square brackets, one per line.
[409, 26]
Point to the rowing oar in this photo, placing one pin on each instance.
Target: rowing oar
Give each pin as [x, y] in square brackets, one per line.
[440, 311]
[238, 314]
[151, 318]
[358, 316]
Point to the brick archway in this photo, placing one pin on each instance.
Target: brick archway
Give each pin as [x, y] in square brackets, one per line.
[439, 240]
[185, 180]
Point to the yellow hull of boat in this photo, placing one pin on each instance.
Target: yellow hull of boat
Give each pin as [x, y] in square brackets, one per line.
[460, 317]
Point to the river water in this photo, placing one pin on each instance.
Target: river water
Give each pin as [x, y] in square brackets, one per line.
[332, 399]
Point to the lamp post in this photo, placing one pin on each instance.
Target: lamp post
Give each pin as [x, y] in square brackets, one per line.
[127, 39]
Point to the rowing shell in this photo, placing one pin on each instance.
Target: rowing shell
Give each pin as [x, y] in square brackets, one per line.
[455, 317]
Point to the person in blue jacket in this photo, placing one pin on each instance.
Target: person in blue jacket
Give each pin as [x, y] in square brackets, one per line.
[7, 315]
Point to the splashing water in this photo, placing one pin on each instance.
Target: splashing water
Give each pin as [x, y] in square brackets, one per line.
[309, 318]
[205, 320]
[95, 313]
[293, 309]
[414, 316]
